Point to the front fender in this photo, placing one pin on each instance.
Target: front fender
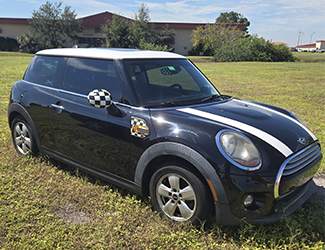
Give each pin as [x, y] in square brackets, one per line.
[223, 216]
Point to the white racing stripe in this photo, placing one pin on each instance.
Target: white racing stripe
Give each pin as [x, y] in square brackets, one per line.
[281, 114]
[280, 146]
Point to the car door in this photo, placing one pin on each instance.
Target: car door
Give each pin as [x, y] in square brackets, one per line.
[88, 135]
[41, 81]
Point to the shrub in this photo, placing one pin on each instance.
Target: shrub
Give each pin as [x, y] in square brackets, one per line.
[8, 44]
[211, 37]
[253, 48]
[151, 46]
[28, 44]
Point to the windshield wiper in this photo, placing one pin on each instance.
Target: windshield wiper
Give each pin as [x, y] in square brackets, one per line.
[210, 98]
[167, 103]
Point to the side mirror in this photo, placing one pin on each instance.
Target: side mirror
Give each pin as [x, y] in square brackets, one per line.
[103, 99]
[100, 99]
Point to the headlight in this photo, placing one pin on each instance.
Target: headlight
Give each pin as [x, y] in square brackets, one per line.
[239, 150]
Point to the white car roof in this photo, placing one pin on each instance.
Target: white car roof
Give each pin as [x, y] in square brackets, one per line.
[109, 53]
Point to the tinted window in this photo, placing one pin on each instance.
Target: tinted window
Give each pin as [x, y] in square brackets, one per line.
[84, 75]
[46, 70]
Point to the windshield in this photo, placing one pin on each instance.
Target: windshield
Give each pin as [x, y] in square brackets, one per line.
[168, 82]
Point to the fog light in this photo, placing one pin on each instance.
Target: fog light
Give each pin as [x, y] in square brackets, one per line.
[248, 201]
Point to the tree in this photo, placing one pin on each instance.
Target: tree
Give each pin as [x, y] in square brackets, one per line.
[166, 37]
[117, 33]
[142, 29]
[212, 36]
[69, 24]
[233, 17]
[51, 25]
[138, 33]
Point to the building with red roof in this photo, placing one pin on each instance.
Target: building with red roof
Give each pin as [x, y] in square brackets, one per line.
[91, 34]
[279, 43]
[320, 44]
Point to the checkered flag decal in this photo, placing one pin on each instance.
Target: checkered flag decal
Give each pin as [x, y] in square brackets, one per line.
[137, 124]
[165, 71]
[99, 99]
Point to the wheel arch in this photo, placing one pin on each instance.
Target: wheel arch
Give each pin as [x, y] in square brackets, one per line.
[15, 110]
[171, 151]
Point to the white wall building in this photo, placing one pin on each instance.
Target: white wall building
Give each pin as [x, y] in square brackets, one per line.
[91, 34]
[320, 44]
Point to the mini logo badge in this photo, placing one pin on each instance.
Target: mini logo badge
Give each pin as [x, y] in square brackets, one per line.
[302, 140]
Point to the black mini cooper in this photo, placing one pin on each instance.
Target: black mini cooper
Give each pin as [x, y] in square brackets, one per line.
[151, 122]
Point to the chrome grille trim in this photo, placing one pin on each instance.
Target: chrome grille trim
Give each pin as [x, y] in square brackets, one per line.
[296, 162]
[301, 161]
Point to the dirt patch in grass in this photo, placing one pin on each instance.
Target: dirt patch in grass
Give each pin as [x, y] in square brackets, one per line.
[71, 214]
[2, 241]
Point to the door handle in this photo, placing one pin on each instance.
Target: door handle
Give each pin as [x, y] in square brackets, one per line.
[57, 106]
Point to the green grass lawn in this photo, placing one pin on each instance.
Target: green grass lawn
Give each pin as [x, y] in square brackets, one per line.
[44, 205]
[310, 57]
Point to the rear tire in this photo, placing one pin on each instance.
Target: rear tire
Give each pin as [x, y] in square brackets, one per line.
[22, 137]
[179, 194]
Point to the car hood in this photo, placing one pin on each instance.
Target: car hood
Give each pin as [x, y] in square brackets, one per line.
[276, 128]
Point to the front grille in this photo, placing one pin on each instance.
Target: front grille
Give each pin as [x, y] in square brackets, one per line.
[296, 163]
[302, 159]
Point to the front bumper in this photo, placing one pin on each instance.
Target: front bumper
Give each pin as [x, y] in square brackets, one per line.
[287, 207]
[284, 208]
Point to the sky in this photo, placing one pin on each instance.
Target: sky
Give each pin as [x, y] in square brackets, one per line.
[289, 21]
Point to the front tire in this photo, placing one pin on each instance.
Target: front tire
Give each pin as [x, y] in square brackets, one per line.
[179, 194]
[22, 137]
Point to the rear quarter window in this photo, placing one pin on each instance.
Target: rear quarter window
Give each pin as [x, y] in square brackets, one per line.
[46, 70]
